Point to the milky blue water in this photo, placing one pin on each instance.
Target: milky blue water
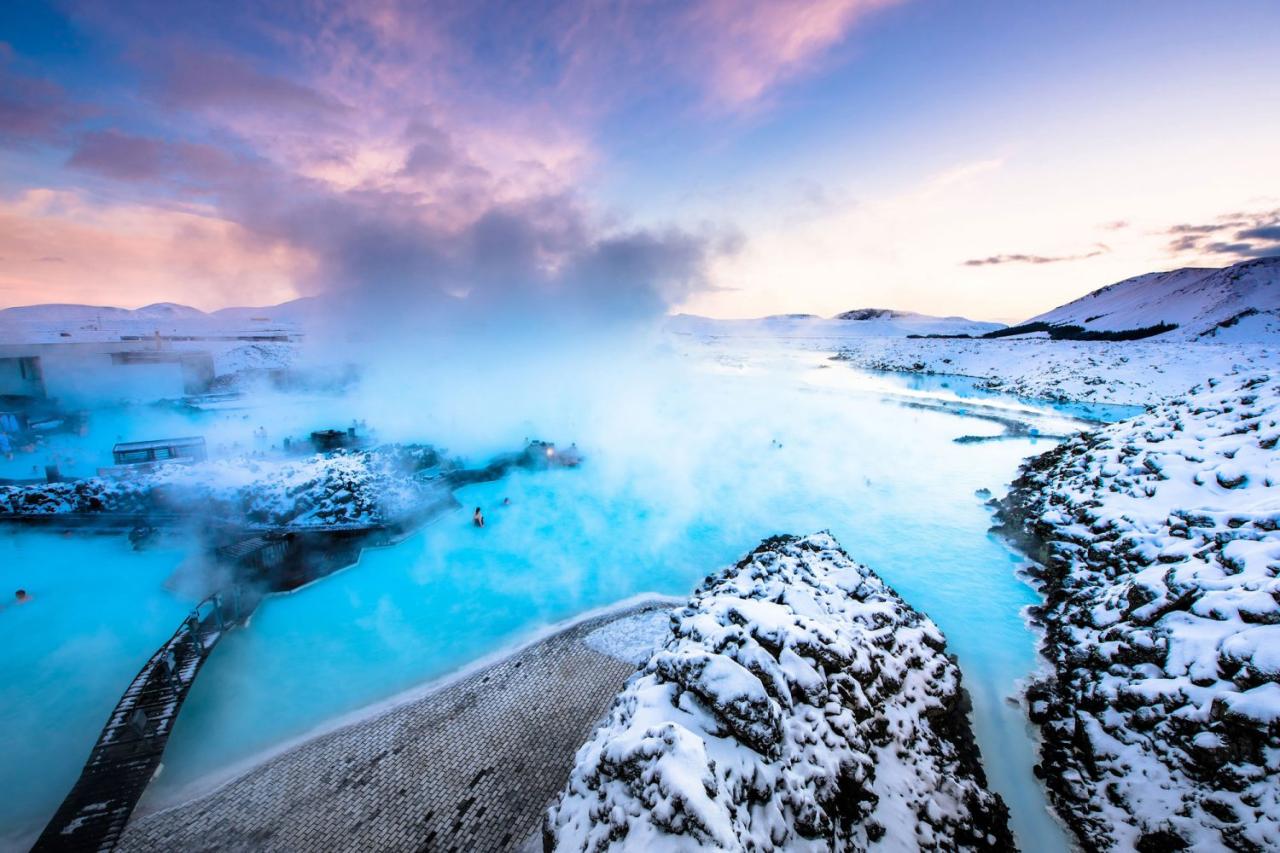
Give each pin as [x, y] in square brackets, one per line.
[680, 481]
[98, 610]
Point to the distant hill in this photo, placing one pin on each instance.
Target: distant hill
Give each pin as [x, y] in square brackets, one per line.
[295, 310]
[860, 322]
[58, 322]
[1239, 303]
[876, 314]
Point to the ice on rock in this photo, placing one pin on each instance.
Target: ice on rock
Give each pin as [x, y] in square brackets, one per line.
[799, 704]
[1159, 553]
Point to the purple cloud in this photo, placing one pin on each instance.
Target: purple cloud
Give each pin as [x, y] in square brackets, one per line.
[1019, 258]
[1255, 234]
[198, 79]
[1261, 232]
[119, 155]
[32, 109]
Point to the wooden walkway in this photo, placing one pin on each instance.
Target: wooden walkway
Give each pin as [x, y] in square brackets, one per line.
[467, 768]
[128, 751]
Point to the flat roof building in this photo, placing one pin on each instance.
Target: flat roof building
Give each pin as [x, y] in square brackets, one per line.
[189, 449]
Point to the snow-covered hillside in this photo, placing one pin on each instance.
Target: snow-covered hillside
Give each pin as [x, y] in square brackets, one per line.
[1239, 303]
[1129, 372]
[863, 322]
[1158, 548]
[56, 323]
[799, 705]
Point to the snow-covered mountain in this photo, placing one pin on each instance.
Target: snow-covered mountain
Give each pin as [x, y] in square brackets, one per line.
[859, 323]
[56, 322]
[1239, 303]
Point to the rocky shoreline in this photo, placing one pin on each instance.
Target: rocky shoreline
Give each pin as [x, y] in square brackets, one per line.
[799, 705]
[1156, 550]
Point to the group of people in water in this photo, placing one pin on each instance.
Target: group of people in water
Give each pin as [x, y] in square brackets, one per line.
[478, 517]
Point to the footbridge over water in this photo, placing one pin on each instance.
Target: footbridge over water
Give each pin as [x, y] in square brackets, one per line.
[129, 750]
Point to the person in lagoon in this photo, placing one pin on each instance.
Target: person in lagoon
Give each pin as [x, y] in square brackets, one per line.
[506, 501]
[478, 518]
[21, 596]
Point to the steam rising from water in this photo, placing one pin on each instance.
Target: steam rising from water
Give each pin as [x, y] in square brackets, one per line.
[505, 328]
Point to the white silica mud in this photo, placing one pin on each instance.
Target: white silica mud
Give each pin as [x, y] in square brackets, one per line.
[681, 478]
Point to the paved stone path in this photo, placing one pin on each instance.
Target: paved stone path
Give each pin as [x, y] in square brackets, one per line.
[470, 767]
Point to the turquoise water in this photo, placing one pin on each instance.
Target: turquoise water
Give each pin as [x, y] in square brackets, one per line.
[682, 478]
[688, 486]
[968, 387]
[98, 610]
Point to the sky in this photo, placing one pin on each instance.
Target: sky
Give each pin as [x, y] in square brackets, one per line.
[631, 159]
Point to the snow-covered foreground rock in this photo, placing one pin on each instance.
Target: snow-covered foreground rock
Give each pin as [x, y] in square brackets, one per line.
[1131, 372]
[799, 705]
[1159, 553]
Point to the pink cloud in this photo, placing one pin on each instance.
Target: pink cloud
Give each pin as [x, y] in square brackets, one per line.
[58, 247]
[374, 150]
[750, 46]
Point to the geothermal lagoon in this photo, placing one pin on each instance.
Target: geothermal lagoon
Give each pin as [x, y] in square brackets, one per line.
[675, 486]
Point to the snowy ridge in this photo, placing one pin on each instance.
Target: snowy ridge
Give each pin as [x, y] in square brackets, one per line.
[800, 704]
[1159, 553]
[59, 323]
[1133, 372]
[1235, 304]
[860, 323]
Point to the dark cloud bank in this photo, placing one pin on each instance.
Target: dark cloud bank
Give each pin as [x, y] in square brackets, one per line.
[1234, 236]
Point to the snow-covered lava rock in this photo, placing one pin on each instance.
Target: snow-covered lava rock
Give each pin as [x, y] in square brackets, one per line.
[800, 704]
[344, 488]
[1158, 557]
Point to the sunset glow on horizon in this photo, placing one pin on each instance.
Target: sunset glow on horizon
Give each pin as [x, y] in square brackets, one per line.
[990, 159]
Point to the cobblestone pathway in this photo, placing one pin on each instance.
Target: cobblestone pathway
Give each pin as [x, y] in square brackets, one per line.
[468, 768]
